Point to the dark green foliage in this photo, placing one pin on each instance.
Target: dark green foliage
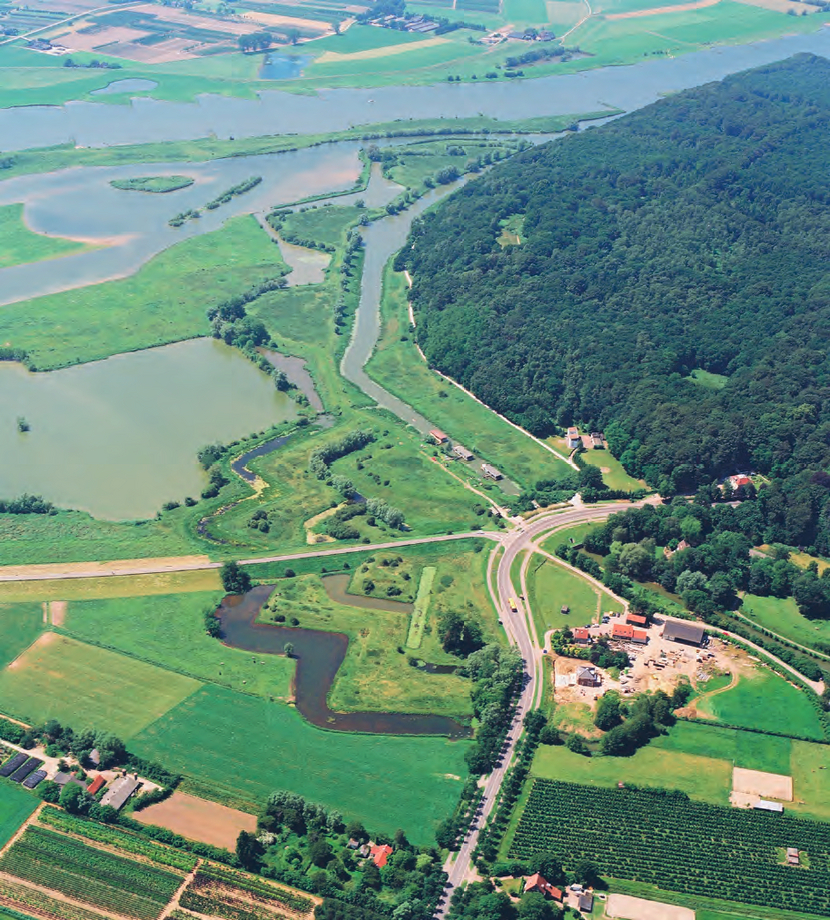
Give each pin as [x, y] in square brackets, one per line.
[249, 851]
[235, 580]
[459, 636]
[661, 838]
[609, 711]
[27, 504]
[687, 235]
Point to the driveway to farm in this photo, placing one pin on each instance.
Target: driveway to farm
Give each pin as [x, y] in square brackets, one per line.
[518, 629]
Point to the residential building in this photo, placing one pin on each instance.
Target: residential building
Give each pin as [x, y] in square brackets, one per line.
[120, 791]
[573, 438]
[629, 633]
[543, 886]
[379, 854]
[587, 677]
[582, 636]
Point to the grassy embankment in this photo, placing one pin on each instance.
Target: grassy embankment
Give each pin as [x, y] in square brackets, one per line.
[397, 365]
[19, 245]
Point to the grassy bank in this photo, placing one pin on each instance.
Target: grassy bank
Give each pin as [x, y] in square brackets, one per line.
[19, 245]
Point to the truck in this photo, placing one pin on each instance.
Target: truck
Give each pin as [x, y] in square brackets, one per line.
[513, 605]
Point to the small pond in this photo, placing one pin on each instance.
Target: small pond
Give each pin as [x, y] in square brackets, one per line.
[295, 369]
[118, 438]
[132, 85]
[283, 66]
[319, 655]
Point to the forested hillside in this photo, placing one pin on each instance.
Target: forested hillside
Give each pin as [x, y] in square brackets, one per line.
[690, 235]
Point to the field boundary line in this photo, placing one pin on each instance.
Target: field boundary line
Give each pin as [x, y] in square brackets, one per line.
[173, 903]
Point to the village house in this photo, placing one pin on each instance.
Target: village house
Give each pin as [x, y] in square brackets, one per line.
[668, 553]
[379, 853]
[629, 633]
[543, 886]
[120, 791]
[582, 636]
[587, 677]
[462, 453]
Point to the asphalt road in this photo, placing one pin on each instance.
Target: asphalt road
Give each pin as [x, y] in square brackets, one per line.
[518, 631]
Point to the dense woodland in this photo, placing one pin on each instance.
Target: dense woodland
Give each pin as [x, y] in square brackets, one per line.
[690, 235]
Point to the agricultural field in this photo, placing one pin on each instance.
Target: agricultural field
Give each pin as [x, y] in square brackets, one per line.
[398, 367]
[16, 805]
[764, 701]
[398, 781]
[90, 875]
[173, 636]
[136, 312]
[20, 625]
[83, 589]
[617, 829]
[374, 675]
[109, 690]
[551, 586]
[19, 244]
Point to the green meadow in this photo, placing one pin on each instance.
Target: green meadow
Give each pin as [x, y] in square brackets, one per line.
[782, 616]
[88, 687]
[551, 586]
[165, 301]
[19, 244]
[16, 804]
[238, 749]
[20, 625]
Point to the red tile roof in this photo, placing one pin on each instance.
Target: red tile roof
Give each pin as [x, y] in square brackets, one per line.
[636, 619]
[581, 633]
[380, 853]
[622, 631]
[540, 883]
[98, 783]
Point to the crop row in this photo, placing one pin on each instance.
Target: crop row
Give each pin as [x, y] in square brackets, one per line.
[20, 895]
[226, 907]
[678, 844]
[90, 875]
[122, 840]
[253, 886]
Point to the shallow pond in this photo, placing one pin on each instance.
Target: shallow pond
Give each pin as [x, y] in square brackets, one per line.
[319, 655]
[118, 438]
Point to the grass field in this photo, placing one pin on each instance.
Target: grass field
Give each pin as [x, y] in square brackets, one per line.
[374, 675]
[397, 366]
[78, 589]
[613, 473]
[171, 634]
[388, 782]
[551, 586]
[567, 535]
[20, 625]
[323, 225]
[84, 686]
[16, 804]
[765, 701]
[19, 245]
[781, 615]
[165, 301]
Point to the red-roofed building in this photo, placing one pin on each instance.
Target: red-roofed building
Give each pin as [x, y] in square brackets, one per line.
[636, 620]
[438, 436]
[379, 853]
[625, 631]
[581, 635]
[96, 785]
[543, 886]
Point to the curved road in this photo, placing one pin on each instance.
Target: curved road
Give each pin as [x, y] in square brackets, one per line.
[517, 627]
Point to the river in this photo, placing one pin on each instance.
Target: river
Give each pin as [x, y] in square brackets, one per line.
[91, 124]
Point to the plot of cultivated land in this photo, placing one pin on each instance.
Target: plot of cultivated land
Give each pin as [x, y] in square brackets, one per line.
[198, 819]
[332, 57]
[624, 906]
[16, 805]
[62, 590]
[766, 785]
[386, 781]
[89, 41]
[656, 11]
[20, 625]
[84, 686]
[272, 19]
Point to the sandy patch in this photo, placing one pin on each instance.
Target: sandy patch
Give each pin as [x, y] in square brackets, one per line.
[273, 19]
[624, 906]
[198, 819]
[57, 609]
[332, 57]
[657, 10]
[93, 569]
[311, 536]
[766, 785]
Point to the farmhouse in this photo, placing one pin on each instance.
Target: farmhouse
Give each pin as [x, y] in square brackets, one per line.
[587, 677]
[120, 791]
[380, 853]
[462, 453]
[490, 471]
[543, 886]
[629, 633]
[684, 631]
[438, 436]
[668, 553]
[582, 636]
[574, 439]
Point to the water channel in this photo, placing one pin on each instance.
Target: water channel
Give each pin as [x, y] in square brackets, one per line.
[107, 438]
[319, 656]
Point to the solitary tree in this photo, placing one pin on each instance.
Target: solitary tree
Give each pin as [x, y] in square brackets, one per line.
[288, 648]
[235, 580]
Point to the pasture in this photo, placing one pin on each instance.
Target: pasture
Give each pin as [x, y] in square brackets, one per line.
[172, 635]
[387, 782]
[782, 616]
[19, 244]
[20, 625]
[88, 687]
[765, 701]
[16, 804]
[397, 366]
[164, 301]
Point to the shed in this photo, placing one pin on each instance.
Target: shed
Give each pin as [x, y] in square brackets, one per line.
[36, 778]
[438, 436]
[13, 763]
[490, 471]
[120, 791]
[462, 453]
[684, 631]
[596, 440]
[764, 805]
